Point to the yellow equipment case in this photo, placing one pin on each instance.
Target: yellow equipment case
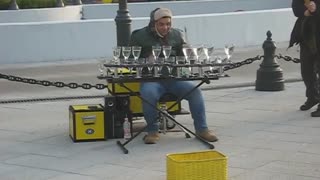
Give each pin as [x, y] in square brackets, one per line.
[135, 101]
[86, 122]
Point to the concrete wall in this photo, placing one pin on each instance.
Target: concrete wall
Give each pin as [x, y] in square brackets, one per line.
[188, 7]
[243, 29]
[51, 41]
[68, 13]
[88, 39]
[106, 11]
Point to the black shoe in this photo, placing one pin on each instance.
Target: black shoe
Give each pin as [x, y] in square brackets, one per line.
[308, 104]
[316, 113]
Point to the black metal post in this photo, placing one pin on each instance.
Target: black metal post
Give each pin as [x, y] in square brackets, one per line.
[77, 2]
[59, 3]
[123, 22]
[13, 5]
[269, 75]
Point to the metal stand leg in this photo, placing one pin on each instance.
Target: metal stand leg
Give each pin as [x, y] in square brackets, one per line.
[125, 150]
[205, 80]
[164, 124]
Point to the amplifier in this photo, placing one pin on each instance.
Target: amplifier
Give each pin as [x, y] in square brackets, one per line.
[86, 122]
[116, 109]
[122, 111]
[109, 115]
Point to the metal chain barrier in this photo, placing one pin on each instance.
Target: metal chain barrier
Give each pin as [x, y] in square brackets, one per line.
[55, 84]
[88, 86]
[241, 63]
[288, 58]
[49, 99]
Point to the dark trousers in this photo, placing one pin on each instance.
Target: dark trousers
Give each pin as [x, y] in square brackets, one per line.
[309, 65]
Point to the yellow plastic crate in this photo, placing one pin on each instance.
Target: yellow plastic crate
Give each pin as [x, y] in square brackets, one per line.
[203, 165]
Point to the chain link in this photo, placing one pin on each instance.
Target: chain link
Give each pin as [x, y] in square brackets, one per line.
[55, 84]
[288, 58]
[241, 63]
[10, 101]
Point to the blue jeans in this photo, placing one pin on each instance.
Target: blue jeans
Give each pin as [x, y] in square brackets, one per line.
[152, 91]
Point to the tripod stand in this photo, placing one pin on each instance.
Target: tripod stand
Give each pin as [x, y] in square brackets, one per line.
[166, 125]
[204, 79]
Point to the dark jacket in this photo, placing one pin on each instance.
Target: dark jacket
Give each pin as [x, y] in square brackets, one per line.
[147, 37]
[306, 29]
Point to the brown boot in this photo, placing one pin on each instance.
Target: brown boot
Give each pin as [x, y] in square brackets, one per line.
[151, 138]
[208, 136]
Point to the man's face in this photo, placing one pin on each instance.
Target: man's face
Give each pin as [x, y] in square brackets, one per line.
[163, 26]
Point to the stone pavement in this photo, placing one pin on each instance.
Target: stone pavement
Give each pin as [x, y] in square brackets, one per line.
[263, 134]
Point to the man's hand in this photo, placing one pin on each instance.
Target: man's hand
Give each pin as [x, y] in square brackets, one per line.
[307, 13]
[311, 6]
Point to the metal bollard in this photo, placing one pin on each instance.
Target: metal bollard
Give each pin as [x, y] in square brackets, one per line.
[269, 75]
[13, 5]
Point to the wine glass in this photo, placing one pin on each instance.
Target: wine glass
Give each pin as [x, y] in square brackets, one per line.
[188, 53]
[180, 60]
[136, 51]
[139, 62]
[116, 59]
[166, 50]
[228, 50]
[156, 50]
[126, 52]
[169, 64]
[101, 66]
[219, 58]
[160, 64]
[199, 53]
[210, 49]
[205, 53]
[150, 64]
[193, 58]
[209, 53]
[116, 54]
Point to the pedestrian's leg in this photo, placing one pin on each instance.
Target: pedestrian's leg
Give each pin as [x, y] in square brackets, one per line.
[309, 77]
[317, 87]
[317, 79]
[307, 72]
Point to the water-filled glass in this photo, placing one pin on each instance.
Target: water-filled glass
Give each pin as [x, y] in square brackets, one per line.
[126, 52]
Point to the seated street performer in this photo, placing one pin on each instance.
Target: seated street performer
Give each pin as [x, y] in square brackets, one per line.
[159, 32]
